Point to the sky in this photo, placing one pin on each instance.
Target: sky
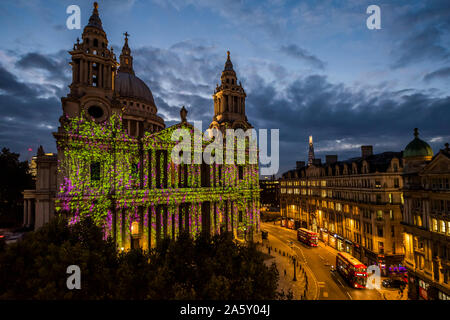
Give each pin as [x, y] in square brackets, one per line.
[308, 68]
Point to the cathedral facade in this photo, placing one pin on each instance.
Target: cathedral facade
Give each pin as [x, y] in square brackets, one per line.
[114, 159]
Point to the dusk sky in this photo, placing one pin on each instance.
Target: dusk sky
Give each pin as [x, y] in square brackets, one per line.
[308, 67]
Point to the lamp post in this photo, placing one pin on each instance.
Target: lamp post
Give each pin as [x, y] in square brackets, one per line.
[295, 270]
[291, 244]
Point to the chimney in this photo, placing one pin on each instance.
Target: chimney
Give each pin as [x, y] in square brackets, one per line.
[331, 158]
[317, 162]
[300, 164]
[366, 151]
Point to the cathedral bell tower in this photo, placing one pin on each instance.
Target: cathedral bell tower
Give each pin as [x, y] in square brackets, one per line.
[229, 101]
[93, 70]
[126, 59]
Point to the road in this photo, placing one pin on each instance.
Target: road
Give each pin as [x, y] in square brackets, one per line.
[318, 259]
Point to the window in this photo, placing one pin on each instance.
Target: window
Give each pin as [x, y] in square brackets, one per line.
[396, 183]
[240, 216]
[381, 247]
[379, 214]
[205, 175]
[418, 220]
[443, 296]
[442, 226]
[380, 232]
[241, 173]
[434, 225]
[95, 171]
[135, 228]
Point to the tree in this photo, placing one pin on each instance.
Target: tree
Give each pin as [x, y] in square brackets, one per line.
[205, 268]
[35, 267]
[14, 178]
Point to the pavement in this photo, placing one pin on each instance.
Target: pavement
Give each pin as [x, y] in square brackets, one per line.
[317, 262]
[305, 286]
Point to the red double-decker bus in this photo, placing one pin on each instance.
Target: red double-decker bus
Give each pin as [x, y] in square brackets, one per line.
[352, 270]
[308, 237]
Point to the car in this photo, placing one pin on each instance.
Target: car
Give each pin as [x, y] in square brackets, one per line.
[393, 283]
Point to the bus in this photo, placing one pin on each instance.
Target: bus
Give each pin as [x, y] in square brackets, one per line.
[308, 237]
[351, 269]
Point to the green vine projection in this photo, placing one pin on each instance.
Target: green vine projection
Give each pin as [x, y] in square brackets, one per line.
[124, 182]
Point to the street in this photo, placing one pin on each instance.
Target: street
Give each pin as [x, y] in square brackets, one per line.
[319, 259]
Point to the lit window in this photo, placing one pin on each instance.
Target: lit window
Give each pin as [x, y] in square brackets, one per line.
[434, 225]
[442, 226]
[135, 228]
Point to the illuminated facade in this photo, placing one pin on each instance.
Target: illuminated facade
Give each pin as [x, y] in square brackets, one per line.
[427, 221]
[355, 205]
[114, 156]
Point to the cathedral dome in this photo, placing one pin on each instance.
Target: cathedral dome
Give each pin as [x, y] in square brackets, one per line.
[127, 85]
[418, 148]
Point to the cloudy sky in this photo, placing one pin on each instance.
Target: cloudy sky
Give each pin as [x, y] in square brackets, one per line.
[308, 67]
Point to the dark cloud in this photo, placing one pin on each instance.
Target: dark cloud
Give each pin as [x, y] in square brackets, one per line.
[423, 31]
[56, 65]
[438, 74]
[422, 46]
[303, 55]
[25, 119]
[341, 120]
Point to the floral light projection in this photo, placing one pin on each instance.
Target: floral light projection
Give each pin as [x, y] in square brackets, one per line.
[136, 177]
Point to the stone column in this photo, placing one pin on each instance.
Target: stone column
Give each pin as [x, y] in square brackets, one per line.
[90, 73]
[25, 212]
[29, 213]
[100, 75]
[81, 71]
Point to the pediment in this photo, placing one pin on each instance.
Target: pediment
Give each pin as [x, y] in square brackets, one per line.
[440, 164]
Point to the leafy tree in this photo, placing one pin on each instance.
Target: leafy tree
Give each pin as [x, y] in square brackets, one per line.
[14, 178]
[206, 268]
[35, 267]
